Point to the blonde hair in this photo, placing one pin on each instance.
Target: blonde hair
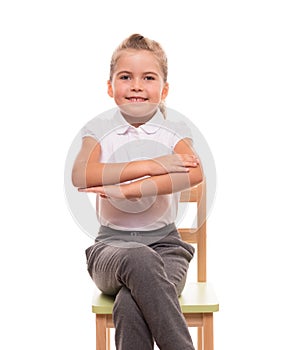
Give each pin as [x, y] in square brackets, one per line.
[139, 42]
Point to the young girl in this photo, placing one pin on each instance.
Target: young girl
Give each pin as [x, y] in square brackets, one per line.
[137, 161]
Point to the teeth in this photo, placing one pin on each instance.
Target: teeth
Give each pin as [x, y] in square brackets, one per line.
[136, 99]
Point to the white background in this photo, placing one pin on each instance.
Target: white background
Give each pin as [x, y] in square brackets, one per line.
[224, 73]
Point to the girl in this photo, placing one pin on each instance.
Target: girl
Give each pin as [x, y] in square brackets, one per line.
[137, 161]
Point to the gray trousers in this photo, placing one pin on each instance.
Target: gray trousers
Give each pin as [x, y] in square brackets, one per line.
[146, 272]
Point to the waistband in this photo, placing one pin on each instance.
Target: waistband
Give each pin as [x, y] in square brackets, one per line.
[107, 233]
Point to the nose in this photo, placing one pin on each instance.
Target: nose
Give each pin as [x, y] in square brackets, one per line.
[136, 85]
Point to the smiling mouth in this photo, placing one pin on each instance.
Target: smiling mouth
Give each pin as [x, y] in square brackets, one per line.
[137, 99]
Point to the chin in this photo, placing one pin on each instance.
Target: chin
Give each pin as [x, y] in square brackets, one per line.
[142, 110]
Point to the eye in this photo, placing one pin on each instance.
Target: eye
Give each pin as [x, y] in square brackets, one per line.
[149, 77]
[124, 77]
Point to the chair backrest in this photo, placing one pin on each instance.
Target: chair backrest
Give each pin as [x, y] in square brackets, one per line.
[197, 235]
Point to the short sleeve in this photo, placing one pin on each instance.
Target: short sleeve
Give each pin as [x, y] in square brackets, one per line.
[179, 124]
[182, 130]
[86, 131]
[99, 126]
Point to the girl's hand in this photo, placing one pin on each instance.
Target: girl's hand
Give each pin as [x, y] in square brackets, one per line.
[173, 163]
[111, 191]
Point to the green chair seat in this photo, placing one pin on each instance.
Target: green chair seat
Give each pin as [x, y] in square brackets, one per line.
[196, 297]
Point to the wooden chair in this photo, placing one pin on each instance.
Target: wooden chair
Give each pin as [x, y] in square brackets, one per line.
[198, 301]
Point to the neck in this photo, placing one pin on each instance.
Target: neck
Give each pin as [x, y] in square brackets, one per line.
[138, 114]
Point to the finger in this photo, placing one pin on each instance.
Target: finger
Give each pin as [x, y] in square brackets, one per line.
[191, 157]
[182, 169]
[188, 163]
[83, 189]
[88, 189]
[188, 158]
[192, 164]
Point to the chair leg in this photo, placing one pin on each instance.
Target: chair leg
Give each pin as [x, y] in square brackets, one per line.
[200, 338]
[208, 331]
[101, 333]
[108, 344]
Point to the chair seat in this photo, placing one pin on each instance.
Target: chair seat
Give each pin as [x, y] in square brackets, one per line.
[196, 297]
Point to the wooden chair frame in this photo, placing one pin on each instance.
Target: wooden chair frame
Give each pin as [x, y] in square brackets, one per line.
[198, 301]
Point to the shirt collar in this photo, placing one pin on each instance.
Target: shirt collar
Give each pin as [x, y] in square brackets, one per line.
[150, 127]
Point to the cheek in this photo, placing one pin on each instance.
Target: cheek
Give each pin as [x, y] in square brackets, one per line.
[118, 88]
[115, 90]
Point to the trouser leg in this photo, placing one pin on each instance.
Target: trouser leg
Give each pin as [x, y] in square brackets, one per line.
[132, 331]
[176, 256]
[142, 271]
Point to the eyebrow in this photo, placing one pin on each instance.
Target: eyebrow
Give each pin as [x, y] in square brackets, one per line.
[154, 73]
[128, 72]
[123, 72]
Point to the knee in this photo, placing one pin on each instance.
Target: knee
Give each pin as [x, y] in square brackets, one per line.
[139, 266]
[142, 258]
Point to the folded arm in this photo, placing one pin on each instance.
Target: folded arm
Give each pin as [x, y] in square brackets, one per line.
[88, 171]
[162, 183]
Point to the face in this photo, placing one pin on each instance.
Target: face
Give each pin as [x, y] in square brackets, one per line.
[137, 84]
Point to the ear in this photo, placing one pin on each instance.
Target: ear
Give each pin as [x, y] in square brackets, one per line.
[110, 89]
[165, 91]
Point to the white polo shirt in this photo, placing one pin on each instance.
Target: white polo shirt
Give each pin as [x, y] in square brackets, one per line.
[122, 142]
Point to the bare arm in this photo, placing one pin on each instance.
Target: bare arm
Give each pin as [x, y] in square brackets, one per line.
[168, 183]
[157, 184]
[88, 171]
